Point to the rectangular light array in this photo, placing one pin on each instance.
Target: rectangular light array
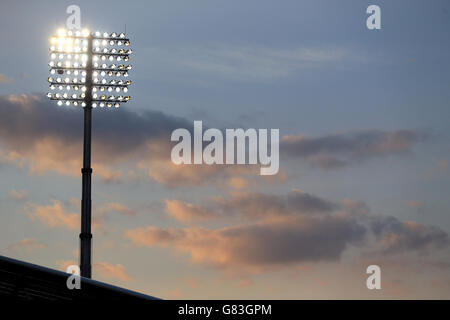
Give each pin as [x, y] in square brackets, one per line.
[89, 68]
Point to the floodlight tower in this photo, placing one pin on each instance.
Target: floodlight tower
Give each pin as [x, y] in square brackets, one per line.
[83, 72]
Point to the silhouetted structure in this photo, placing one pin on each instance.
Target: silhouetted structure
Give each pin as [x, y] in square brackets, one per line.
[77, 62]
[29, 282]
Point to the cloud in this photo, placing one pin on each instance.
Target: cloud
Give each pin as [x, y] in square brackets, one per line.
[400, 236]
[129, 145]
[104, 211]
[259, 245]
[238, 183]
[250, 205]
[102, 269]
[118, 207]
[18, 195]
[186, 212]
[5, 79]
[54, 215]
[27, 246]
[58, 215]
[338, 150]
[64, 264]
[167, 173]
[121, 138]
[247, 63]
[281, 230]
[35, 132]
[110, 271]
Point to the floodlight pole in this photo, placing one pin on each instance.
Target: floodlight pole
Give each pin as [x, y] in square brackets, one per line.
[88, 102]
[86, 203]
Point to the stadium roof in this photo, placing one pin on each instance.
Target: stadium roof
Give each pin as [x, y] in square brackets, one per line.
[25, 281]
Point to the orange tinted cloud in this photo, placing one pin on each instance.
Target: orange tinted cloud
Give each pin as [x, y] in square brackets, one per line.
[166, 172]
[27, 245]
[64, 264]
[280, 230]
[118, 138]
[110, 271]
[54, 215]
[256, 246]
[118, 207]
[250, 205]
[186, 212]
[142, 142]
[18, 195]
[58, 214]
[121, 139]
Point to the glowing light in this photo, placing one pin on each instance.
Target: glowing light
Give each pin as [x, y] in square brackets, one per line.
[61, 32]
[70, 60]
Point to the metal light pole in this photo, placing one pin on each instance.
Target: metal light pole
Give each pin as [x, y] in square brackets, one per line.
[86, 171]
[77, 55]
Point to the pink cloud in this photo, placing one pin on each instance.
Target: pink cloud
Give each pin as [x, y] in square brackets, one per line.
[111, 271]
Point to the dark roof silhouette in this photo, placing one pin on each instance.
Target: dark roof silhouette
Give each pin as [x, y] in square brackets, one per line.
[25, 281]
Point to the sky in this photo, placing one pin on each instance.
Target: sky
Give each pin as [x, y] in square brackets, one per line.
[364, 149]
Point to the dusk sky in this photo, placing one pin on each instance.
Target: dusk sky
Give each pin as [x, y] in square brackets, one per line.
[364, 149]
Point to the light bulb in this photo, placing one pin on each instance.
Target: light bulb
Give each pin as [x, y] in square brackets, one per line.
[61, 32]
